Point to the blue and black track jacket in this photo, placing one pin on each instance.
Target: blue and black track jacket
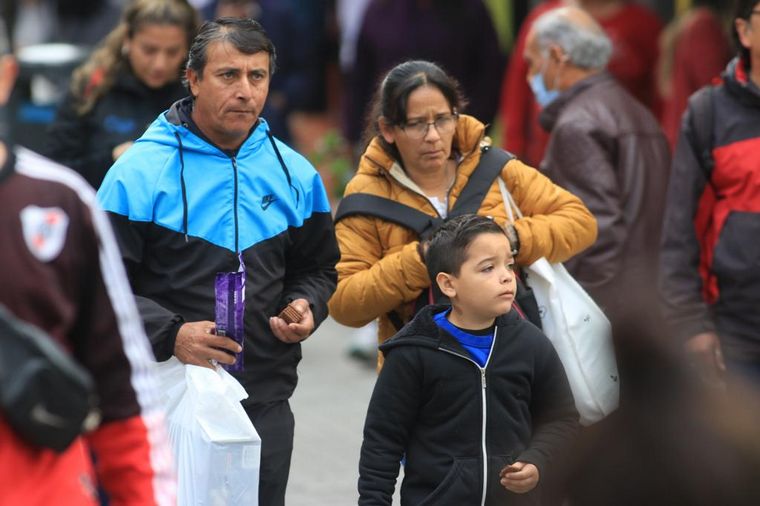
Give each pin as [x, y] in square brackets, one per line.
[183, 209]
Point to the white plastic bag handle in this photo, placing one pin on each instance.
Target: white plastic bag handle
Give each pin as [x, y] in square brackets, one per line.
[508, 201]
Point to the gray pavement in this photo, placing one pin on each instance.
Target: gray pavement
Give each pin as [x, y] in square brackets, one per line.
[329, 404]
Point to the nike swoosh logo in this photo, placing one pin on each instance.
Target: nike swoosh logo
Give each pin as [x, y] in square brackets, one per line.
[267, 201]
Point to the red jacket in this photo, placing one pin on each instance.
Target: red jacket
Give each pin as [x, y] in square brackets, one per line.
[710, 260]
[61, 271]
[700, 52]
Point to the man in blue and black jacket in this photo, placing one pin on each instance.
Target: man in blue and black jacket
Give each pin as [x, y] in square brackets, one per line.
[208, 189]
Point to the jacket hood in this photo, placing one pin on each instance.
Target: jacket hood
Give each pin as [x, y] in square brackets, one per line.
[176, 129]
[738, 83]
[469, 135]
[423, 331]
[550, 114]
[172, 129]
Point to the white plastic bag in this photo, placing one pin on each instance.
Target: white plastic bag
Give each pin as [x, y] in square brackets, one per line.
[579, 331]
[582, 336]
[216, 449]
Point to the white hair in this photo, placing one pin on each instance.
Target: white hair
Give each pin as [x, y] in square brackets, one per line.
[586, 46]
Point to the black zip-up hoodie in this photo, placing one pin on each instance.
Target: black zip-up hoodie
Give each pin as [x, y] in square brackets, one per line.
[458, 424]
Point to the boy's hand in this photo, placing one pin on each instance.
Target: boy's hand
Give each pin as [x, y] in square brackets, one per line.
[519, 477]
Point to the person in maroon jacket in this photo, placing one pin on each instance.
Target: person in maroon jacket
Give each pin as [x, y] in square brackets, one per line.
[634, 31]
[694, 50]
[710, 262]
[61, 272]
[606, 148]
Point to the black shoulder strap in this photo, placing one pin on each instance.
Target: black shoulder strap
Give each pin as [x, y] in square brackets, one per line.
[703, 126]
[492, 160]
[469, 201]
[389, 210]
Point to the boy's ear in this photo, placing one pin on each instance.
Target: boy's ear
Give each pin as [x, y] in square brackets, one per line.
[446, 284]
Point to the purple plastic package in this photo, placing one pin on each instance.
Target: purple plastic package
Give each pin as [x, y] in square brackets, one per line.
[230, 305]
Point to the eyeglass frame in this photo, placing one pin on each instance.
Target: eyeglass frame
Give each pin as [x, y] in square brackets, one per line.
[454, 115]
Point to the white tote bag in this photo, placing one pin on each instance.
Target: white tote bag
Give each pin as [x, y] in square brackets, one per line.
[579, 331]
[217, 450]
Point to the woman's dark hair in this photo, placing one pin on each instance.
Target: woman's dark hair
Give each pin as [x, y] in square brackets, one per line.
[95, 77]
[743, 10]
[392, 95]
[448, 246]
[244, 34]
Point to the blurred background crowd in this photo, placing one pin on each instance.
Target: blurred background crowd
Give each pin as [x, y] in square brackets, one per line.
[95, 73]
[332, 52]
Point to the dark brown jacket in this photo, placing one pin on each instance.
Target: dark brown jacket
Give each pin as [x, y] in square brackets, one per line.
[608, 149]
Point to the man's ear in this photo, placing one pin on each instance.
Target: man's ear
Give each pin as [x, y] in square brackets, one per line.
[8, 73]
[386, 130]
[557, 53]
[446, 283]
[742, 27]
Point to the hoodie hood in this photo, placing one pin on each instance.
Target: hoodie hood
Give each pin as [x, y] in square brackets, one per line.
[423, 331]
[550, 114]
[177, 121]
[738, 83]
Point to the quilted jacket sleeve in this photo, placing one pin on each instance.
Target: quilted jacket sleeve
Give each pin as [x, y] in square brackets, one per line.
[372, 282]
[556, 223]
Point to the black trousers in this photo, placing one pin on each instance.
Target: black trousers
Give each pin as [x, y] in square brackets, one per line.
[275, 424]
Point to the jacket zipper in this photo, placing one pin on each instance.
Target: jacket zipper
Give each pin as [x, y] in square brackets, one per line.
[235, 208]
[483, 387]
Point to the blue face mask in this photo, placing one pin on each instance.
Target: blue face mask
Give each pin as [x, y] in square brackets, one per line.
[543, 96]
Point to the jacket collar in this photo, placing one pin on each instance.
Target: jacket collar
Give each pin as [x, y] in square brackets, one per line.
[423, 331]
[738, 83]
[550, 114]
[180, 115]
[468, 137]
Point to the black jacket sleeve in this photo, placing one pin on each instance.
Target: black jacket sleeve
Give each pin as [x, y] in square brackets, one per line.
[680, 282]
[68, 143]
[555, 419]
[161, 325]
[391, 415]
[310, 265]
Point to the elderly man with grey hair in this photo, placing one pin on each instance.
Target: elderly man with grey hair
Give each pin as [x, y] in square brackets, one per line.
[609, 150]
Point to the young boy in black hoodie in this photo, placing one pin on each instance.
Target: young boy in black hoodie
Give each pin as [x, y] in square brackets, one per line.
[472, 396]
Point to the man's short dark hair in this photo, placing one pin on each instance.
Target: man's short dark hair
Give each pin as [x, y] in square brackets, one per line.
[244, 34]
[447, 250]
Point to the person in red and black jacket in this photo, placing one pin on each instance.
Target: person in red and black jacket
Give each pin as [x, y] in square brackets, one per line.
[710, 262]
[60, 270]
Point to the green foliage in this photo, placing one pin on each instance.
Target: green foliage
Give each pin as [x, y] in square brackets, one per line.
[332, 156]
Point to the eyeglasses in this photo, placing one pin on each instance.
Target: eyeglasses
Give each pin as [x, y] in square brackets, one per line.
[418, 129]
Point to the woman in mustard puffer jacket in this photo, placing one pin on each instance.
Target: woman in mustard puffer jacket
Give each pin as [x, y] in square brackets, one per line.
[421, 153]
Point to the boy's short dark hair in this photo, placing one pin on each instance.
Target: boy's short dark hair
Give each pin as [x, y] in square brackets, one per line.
[447, 250]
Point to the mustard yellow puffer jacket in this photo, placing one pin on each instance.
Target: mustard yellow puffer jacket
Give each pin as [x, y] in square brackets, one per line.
[380, 269]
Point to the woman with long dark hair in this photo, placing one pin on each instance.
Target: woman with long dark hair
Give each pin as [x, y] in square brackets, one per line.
[127, 81]
[422, 153]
